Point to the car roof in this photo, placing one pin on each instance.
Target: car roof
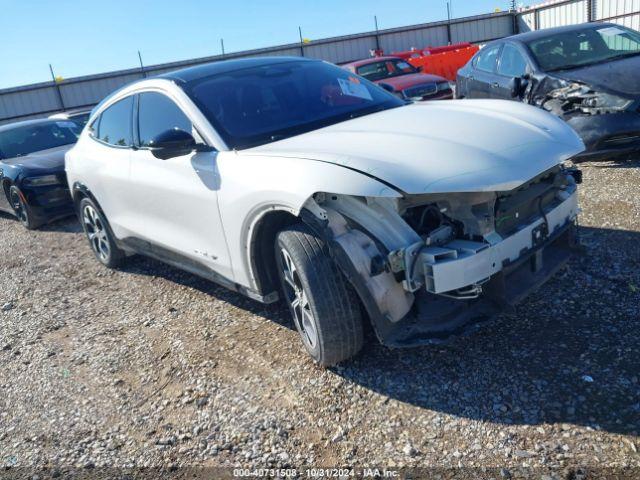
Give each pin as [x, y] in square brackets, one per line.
[549, 32]
[367, 61]
[225, 66]
[26, 123]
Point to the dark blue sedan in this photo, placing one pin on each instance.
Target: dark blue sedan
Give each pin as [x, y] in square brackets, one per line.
[33, 184]
[588, 75]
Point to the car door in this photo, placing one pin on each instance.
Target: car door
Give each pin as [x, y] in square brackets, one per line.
[483, 72]
[176, 200]
[512, 64]
[106, 170]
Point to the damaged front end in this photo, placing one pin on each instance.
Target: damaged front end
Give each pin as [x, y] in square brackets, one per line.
[430, 266]
[573, 98]
[608, 124]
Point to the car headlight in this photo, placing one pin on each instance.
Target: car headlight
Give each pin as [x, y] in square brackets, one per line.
[604, 102]
[42, 181]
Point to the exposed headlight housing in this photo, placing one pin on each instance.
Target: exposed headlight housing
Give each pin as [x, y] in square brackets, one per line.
[42, 181]
[598, 102]
[580, 98]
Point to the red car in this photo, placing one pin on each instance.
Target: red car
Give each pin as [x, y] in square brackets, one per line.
[399, 77]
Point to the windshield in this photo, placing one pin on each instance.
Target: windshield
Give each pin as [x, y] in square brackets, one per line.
[258, 105]
[385, 69]
[584, 47]
[80, 118]
[23, 140]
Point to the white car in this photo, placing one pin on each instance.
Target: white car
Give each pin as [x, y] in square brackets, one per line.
[295, 179]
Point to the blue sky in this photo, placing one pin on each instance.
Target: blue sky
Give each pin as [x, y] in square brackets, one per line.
[85, 37]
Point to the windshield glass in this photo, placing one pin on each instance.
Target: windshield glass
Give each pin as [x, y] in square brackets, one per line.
[584, 47]
[385, 69]
[258, 105]
[23, 140]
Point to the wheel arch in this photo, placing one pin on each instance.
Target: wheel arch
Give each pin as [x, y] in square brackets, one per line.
[6, 185]
[80, 191]
[261, 258]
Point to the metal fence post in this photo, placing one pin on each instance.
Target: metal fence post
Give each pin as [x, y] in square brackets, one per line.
[144, 74]
[301, 42]
[448, 23]
[57, 85]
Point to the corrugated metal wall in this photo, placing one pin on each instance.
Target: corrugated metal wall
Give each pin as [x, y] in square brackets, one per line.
[568, 12]
[42, 99]
[39, 100]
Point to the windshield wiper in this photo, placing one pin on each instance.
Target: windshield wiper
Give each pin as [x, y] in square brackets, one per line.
[595, 62]
[626, 54]
[370, 111]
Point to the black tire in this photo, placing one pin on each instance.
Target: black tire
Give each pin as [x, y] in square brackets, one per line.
[322, 291]
[98, 232]
[21, 208]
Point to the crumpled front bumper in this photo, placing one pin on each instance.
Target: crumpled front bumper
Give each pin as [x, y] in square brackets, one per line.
[508, 271]
[461, 263]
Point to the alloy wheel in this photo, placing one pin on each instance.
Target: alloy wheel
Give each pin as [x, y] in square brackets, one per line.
[19, 207]
[96, 232]
[298, 300]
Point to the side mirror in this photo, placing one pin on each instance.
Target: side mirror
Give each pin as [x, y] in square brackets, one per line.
[387, 87]
[172, 143]
[518, 85]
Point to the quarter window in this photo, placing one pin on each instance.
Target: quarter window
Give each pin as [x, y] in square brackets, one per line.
[512, 63]
[114, 126]
[156, 114]
[487, 58]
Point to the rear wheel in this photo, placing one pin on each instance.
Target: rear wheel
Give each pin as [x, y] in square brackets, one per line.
[21, 208]
[324, 306]
[99, 234]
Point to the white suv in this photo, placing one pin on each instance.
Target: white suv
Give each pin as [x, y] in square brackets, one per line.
[294, 179]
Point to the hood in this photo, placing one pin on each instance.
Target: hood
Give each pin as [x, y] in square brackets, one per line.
[617, 76]
[49, 160]
[411, 80]
[439, 147]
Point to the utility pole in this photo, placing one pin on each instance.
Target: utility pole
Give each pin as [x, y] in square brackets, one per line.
[57, 85]
[144, 74]
[449, 22]
[222, 46]
[301, 42]
[375, 19]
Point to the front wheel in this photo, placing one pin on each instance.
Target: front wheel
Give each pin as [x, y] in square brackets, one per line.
[99, 234]
[21, 208]
[324, 306]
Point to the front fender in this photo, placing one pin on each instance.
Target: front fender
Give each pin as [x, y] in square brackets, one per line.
[252, 185]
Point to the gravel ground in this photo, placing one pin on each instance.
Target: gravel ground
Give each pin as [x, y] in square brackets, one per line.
[153, 367]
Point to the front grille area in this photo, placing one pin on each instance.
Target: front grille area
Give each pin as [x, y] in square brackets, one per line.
[622, 140]
[421, 90]
[523, 205]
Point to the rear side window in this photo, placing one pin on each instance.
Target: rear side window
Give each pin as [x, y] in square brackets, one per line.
[157, 113]
[486, 60]
[114, 124]
[512, 63]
